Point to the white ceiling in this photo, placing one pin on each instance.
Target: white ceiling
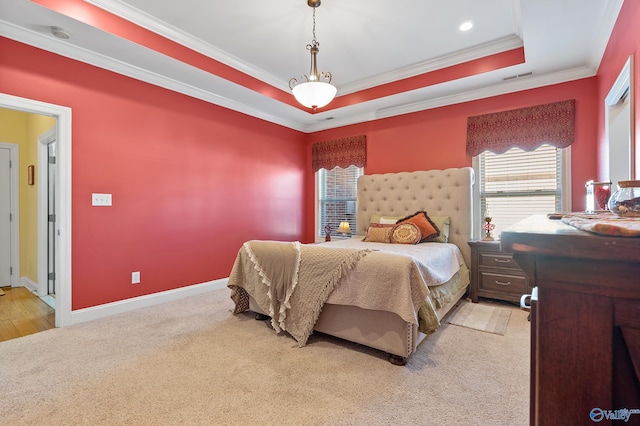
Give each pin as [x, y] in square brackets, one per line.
[364, 44]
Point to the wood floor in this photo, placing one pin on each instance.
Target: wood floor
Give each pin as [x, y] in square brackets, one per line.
[23, 313]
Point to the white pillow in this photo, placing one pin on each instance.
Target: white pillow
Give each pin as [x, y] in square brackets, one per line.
[443, 223]
[388, 220]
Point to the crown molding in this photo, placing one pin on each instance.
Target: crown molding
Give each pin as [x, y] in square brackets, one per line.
[498, 89]
[172, 33]
[63, 48]
[503, 88]
[344, 118]
[259, 106]
[455, 58]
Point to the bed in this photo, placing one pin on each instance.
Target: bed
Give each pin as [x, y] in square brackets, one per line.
[385, 296]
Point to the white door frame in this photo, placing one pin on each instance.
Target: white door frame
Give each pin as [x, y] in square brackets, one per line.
[14, 226]
[621, 168]
[63, 206]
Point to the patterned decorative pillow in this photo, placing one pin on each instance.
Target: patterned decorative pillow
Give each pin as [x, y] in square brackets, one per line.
[378, 233]
[428, 229]
[442, 223]
[405, 233]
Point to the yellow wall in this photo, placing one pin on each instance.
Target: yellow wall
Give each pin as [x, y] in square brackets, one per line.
[23, 129]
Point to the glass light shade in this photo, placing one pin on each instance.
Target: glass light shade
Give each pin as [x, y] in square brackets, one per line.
[314, 94]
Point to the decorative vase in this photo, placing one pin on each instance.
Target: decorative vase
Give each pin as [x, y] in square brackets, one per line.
[598, 194]
[488, 227]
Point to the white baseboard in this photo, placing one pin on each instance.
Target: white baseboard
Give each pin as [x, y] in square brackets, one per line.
[121, 306]
[29, 284]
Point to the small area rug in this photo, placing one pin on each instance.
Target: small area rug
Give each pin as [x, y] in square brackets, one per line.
[492, 319]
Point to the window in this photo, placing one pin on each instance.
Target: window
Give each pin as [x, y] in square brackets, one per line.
[337, 192]
[518, 184]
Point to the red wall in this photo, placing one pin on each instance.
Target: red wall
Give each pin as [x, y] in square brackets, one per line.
[436, 138]
[624, 41]
[190, 181]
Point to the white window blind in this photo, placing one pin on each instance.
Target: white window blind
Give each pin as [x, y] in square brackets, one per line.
[337, 193]
[518, 184]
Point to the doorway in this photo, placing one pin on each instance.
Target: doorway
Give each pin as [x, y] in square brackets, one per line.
[62, 208]
[619, 122]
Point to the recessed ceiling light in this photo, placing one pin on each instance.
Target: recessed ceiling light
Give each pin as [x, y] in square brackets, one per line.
[466, 26]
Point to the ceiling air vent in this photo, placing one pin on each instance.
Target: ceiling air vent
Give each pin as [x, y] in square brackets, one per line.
[513, 77]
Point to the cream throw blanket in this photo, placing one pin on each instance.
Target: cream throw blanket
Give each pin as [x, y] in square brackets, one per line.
[298, 278]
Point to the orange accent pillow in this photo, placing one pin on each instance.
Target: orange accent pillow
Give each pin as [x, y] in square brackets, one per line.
[427, 228]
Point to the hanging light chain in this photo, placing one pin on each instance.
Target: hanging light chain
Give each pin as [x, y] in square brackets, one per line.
[314, 41]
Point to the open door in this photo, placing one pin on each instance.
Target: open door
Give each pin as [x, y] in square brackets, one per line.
[47, 219]
[8, 215]
[5, 217]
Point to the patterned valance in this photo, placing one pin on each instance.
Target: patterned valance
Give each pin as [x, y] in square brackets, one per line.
[343, 153]
[525, 128]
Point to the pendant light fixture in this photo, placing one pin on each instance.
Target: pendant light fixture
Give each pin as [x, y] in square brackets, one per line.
[314, 93]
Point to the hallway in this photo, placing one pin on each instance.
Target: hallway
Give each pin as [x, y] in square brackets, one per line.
[23, 313]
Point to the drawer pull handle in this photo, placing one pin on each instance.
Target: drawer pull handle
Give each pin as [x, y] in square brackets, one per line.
[495, 259]
[502, 282]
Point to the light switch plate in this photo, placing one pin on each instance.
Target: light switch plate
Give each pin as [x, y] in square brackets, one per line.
[101, 199]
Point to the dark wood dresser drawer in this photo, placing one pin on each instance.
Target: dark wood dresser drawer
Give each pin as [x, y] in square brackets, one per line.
[495, 274]
[502, 283]
[497, 260]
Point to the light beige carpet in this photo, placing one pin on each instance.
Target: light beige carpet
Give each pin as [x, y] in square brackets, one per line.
[484, 317]
[190, 362]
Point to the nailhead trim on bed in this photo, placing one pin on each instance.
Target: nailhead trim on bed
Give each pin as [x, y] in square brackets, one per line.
[410, 345]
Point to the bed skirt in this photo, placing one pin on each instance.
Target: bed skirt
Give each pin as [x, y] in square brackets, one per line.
[381, 330]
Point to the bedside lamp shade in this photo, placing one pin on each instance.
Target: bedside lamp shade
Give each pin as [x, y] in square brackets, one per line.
[344, 228]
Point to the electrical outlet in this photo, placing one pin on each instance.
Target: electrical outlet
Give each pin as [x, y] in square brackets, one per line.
[101, 199]
[135, 277]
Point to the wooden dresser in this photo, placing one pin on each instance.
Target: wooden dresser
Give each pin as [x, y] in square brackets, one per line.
[585, 324]
[495, 274]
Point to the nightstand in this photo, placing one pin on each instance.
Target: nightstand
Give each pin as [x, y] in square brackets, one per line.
[494, 273]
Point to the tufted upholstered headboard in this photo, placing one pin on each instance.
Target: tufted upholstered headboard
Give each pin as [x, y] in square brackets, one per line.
[438, 192]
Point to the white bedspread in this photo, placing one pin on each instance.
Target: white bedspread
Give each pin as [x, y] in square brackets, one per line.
[432, 264]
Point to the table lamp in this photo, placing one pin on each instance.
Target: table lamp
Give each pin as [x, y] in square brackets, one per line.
[344, 228]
